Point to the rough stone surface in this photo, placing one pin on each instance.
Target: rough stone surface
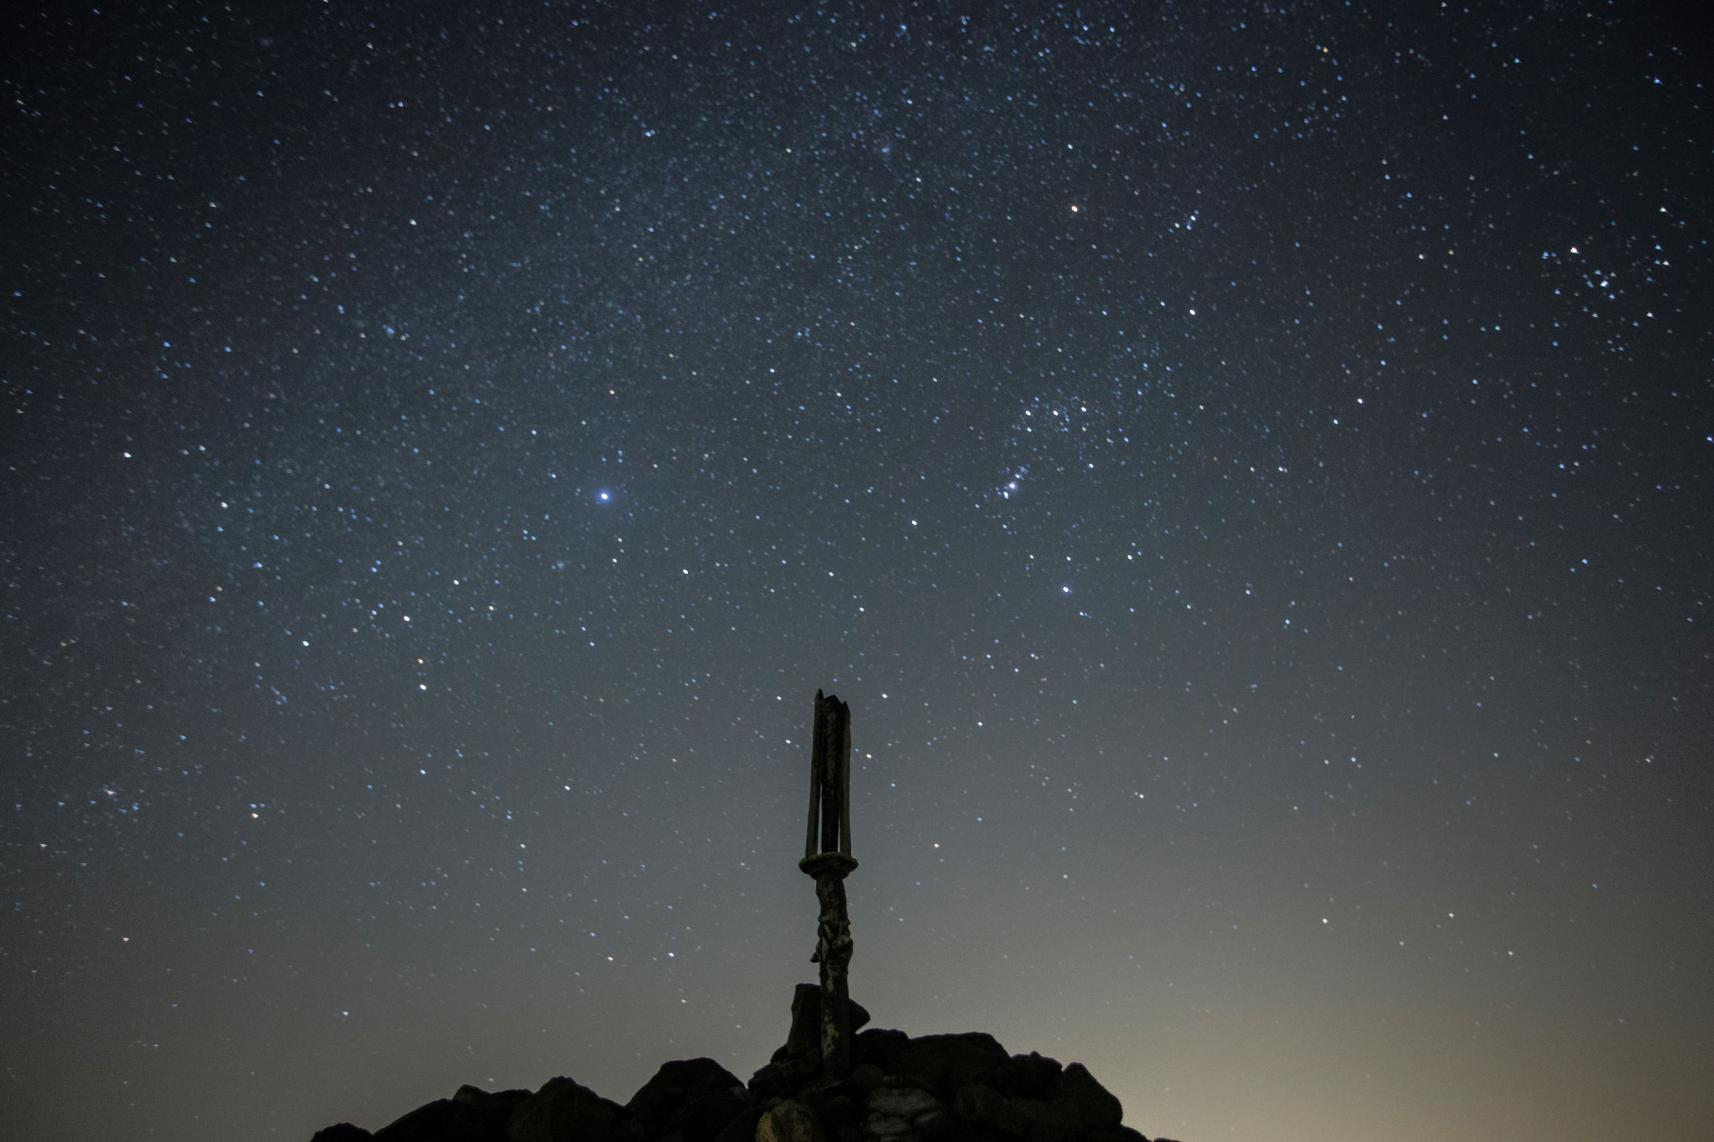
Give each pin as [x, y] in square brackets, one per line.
[564, 1110]
[805, 1035]
[691, 1098]
[943, 1062]
[742, 1128]
[785, 1077]
[877, 1044]
[866, 1076]
[989, 1107]
[788, 1121]
[902, 1101]
[839, 1115]
[902, 1109]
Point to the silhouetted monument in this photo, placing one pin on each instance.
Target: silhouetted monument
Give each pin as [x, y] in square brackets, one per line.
[827, 857]
[827, 1083]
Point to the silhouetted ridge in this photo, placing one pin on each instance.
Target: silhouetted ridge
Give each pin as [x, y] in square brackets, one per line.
[933, 1088]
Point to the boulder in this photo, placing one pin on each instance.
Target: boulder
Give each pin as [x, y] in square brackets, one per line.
[1031, 1076]
[788, 1121]
[866, 1077]
[876, 1045]
[942, 1062]
[743, 1127]
[804, 1038]
[932, 1088]
[342, 1132]
[564, 1110]
[1015, 1118]
[1085, 1103]
[495, 1107]
[901, 1109]
[839, 1114]
[691, 1098]
[785, 1077]
[443, 1120]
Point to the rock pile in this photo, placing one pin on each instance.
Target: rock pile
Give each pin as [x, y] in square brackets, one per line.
[933, 1088]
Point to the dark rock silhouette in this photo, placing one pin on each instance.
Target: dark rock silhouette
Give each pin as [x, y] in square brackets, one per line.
[932, 1088]
[691, 1100]
[495, 1108]
[342, 1132]
[564, 1110]
[831, 1081]
[443, 1120]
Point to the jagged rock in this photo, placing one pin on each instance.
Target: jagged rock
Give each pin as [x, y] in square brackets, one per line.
[1085, 1102]
[804, 1038]
[902, 1109]
[1032, 1076]
[798, 1063]
[563, 1110]
[691, 1098]
[788, 1121]
[902, 1101]
[839, 1115]
[743, 1127]
[989, 1107]
[933, 1088]
[443, 1120]
[823, 1090]
[479, 1098]
[1122, 1134]
[943, 1062]
[866, 1077]
[342, 1132]
[495, 1107]
[805, 1035]
[785, 1077]
[876, 1045]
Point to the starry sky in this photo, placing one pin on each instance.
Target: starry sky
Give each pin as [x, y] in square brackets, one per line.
[1247, 466]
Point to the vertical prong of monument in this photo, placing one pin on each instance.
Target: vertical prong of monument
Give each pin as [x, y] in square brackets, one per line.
[845, 782]
[830, 862]
[831, 716]
[817, 759]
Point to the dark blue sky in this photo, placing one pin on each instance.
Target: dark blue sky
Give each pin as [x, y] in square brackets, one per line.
[1249, 472]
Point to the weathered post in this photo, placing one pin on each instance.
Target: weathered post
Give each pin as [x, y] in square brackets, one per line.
[827, 858]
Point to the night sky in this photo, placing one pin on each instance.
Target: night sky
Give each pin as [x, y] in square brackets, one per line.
[1250, 473]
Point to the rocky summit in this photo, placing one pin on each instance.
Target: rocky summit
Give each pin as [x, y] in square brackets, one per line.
[931, 1088]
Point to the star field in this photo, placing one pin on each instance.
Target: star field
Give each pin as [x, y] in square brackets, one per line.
[1249, 470]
